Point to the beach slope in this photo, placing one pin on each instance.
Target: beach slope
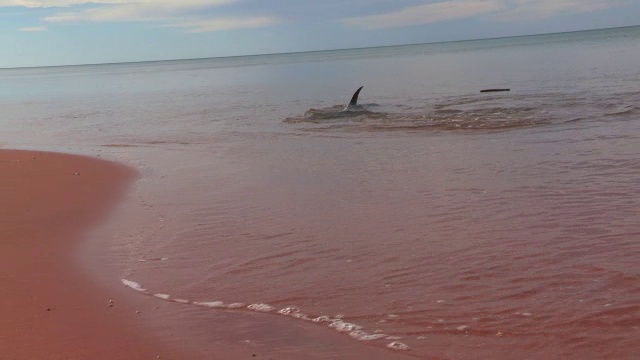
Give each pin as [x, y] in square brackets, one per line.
[49, 309]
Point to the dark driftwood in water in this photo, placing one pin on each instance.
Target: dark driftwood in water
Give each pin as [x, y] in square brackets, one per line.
[494, 90]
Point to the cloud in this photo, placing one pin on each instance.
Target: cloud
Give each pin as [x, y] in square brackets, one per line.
[151, 3]
[136, 10]
[202, 15]
[502, 10]
[185, 14]
[209, 25]
[33, 29]
[428, 13]
[32, 4]
[528, 10]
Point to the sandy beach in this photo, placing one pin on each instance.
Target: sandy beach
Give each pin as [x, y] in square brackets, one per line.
[49, 309]
[244, 215]
[52, 308]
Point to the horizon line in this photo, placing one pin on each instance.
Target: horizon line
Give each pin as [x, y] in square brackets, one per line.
[309, 51]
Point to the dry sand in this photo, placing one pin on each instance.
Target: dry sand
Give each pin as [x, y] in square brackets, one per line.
[48, 308]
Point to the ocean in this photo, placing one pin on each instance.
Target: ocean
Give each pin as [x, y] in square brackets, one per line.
[437, 222]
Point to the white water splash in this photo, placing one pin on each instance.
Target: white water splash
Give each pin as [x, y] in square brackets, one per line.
[211, 304]
[261, 307]
[337, 323]
[134, 285]
[398, 346]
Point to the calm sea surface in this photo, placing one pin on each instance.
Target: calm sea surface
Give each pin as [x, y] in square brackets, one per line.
[438, 222]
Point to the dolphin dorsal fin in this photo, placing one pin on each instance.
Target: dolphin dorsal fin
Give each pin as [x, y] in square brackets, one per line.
[354, 99]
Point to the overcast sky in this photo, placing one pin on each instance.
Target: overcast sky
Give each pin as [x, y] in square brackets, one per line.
[54, 32]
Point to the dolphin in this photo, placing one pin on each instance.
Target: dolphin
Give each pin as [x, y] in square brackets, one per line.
[353, 104]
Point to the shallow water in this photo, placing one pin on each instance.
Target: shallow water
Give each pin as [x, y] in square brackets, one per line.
[459, 224]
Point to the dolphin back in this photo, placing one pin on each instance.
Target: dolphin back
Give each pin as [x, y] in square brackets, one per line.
[354, 99]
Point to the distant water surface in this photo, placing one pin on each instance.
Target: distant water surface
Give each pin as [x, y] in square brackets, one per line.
[439, 222]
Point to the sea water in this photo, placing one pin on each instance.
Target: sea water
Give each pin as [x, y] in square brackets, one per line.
[439, 223]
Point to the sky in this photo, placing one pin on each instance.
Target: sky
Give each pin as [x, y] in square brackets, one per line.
[64, 32]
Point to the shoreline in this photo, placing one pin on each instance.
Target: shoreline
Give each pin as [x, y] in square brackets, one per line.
[56, 306]
[50, 308]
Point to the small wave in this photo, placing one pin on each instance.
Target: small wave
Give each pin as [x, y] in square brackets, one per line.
[154, 259]
[334, 113]
[433, 119]
[167, 142]
[337, 322]
[119, 145]
[624, 111]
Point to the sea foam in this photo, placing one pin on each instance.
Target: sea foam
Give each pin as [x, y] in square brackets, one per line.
[336, 322]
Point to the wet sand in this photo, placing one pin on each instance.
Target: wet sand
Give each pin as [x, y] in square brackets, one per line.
[49, 308]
